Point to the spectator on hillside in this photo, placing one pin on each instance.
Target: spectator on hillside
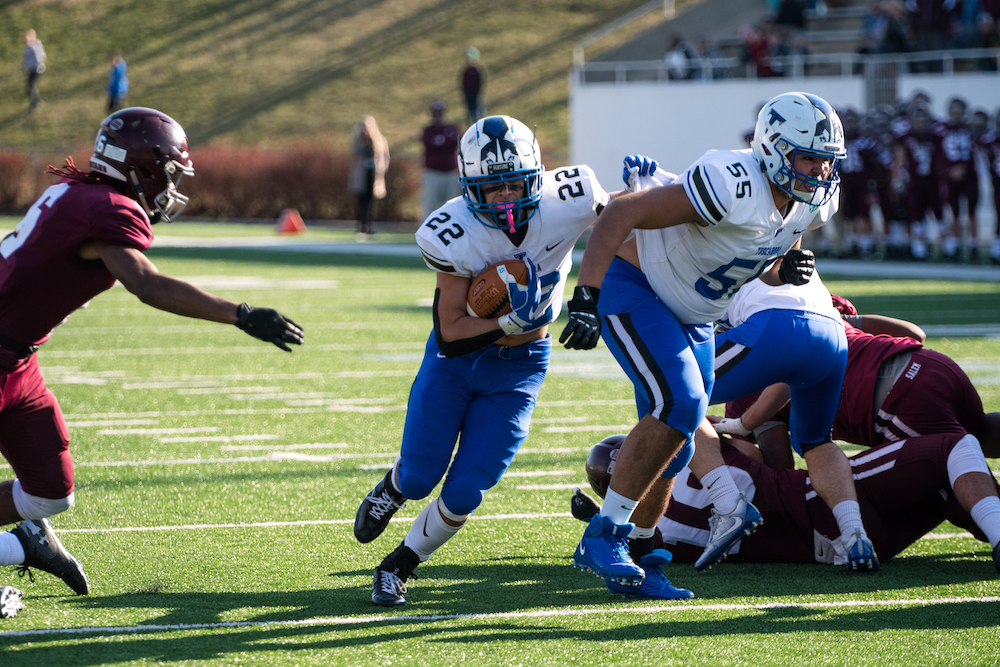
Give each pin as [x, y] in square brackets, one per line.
[33, 64]
[473, 83]
[117, 82]
[440, 140]
[371, 160]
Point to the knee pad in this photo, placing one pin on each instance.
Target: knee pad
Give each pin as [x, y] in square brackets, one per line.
[33, 507]
[680, 460]
[461, 497]
[966, 456]
[413, 486]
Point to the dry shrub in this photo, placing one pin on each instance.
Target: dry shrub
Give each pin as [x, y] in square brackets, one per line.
[233, 182]
[240, 182]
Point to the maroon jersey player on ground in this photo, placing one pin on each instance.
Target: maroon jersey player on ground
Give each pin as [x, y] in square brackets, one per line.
[84, 233]
[905, 489]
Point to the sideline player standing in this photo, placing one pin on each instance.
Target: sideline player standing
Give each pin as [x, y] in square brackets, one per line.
[697, 240]
[84, 233]
[479, 378]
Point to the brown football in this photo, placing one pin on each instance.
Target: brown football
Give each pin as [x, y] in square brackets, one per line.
[488, 297]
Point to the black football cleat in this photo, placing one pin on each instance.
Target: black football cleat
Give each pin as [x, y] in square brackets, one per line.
[996, 557]
[44, 551]
[583, 507]
[376, 510]
[389, 582]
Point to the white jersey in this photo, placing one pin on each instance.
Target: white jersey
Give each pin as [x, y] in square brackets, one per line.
[696, 270]
[756, 295]
[454, 241]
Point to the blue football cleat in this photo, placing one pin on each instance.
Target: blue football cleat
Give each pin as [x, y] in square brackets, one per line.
[604, 551]
[726, 531]
[860, 554]
[655, 586]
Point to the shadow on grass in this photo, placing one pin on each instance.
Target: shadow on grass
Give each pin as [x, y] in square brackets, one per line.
[343, 618]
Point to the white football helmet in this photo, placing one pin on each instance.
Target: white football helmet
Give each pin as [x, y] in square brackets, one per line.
[794, 124]
[496, 150]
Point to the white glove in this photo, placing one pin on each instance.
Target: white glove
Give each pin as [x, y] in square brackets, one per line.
[732, 427]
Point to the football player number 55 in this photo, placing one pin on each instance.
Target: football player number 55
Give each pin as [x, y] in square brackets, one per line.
[16, 238]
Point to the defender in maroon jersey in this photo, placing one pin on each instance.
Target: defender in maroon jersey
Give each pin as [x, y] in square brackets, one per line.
[915, 172]
[84, 233]
[961, 179]
[905, 489]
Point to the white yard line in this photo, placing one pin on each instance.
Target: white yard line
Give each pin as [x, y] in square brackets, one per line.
[568, 612]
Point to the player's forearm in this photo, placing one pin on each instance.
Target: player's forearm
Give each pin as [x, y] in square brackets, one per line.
[181, 298]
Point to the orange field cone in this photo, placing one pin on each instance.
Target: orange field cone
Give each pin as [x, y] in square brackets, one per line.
[290, 222]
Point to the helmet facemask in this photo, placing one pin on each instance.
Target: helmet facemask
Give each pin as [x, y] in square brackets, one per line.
[503, 215]
[804, 187]
[169, 203]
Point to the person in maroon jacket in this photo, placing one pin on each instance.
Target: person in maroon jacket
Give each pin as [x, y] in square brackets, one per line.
[440, 140]
[84, 233]
[905, 490]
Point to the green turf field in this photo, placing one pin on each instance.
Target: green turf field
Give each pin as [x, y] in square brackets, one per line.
[218, 477]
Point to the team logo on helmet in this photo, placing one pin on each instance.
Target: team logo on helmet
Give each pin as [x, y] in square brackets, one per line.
[498, 154]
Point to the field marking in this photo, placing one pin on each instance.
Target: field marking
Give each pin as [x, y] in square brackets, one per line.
[665, 608]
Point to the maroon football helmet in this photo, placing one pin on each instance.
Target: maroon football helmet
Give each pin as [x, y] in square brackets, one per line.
[148, 151]
[601, 463]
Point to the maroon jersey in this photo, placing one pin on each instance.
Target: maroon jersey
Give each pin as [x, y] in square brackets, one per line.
[42, 277]
[956, 145]
[865, 353]
[922, 153]
[903, 490]
[990, 145]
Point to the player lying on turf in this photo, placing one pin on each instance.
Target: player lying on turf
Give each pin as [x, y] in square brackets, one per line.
[83, 234]
[905, 488]
[894, 388]
[480, 376]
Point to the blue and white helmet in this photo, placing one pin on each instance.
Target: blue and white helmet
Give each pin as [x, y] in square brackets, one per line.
[500, 149]
[793, 124]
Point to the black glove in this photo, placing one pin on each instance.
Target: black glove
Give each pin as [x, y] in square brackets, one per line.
[797, 266]
[584, 328]
[268, 325]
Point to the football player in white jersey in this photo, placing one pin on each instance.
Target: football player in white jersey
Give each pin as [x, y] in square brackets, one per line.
[480, 377]
[697, 239]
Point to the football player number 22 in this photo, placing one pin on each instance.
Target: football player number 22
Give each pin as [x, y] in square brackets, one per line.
[16, 238]
[454, 231]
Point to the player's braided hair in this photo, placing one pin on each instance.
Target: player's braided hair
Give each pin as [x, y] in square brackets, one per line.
[72, 172]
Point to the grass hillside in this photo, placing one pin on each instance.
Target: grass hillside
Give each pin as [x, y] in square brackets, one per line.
[271, 71]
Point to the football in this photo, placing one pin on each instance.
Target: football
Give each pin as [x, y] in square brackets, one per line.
[488, 297]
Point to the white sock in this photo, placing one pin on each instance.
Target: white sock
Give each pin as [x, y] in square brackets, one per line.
[11, 551]
[721, 489]
[430, 531]
[848, 515]
[617, 507]
[986, 514]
